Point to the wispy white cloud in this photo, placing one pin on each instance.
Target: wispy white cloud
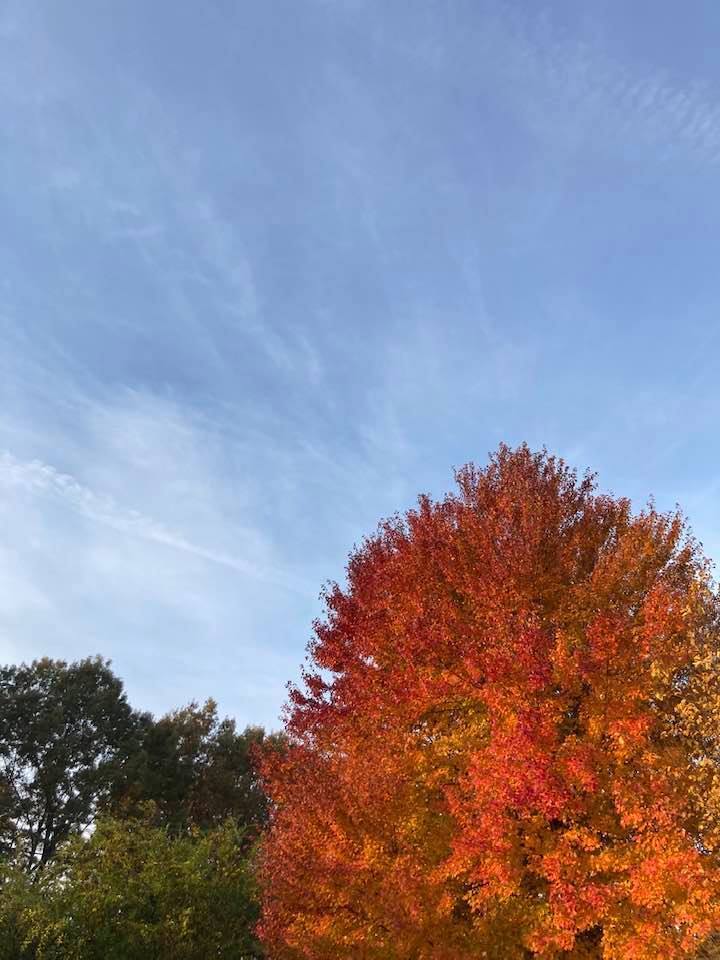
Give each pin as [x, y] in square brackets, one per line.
[149, 546]
[42, 478]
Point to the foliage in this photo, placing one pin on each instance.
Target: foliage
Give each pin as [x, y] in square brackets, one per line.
[170, 875]
[710, 950]
[507, 742]
[18, 895]
[65, 733]
[198, 771]
[134, 892]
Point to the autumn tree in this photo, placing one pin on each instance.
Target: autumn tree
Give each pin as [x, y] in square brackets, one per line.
[506, 744]
[66, 732]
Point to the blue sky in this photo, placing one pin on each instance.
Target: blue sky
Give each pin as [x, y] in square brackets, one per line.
[269, 269]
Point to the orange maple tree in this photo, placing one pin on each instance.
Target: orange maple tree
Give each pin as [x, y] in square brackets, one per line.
[506, 744]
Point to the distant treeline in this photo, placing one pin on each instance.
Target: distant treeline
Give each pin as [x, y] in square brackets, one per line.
[123, 835]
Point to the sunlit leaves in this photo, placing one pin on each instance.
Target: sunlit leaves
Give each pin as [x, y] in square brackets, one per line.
[507, 741]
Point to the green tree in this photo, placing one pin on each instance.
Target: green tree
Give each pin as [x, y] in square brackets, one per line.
[132, 891]
[66, 734]
[198, 770]
[18, 895]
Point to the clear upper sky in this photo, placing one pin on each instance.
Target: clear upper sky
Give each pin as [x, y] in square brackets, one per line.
[270, 268]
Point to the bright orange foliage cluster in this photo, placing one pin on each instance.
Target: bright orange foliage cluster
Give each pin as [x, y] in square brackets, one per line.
[507, 744]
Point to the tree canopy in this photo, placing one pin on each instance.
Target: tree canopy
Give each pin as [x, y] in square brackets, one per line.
[197, 770]
[122, 835]
[66, 732]
[506, 744]
[134, 892]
